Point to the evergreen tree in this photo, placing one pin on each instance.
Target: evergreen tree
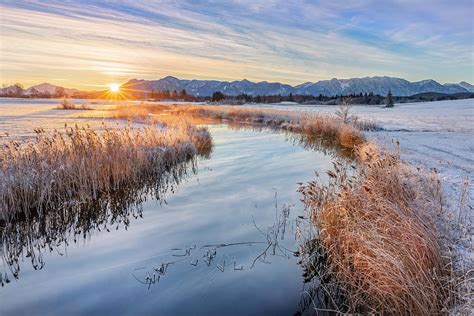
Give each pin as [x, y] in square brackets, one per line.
[183, 95]
[174, 95]
[389, 100]
[217, 96]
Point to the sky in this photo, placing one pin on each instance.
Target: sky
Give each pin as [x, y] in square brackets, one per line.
[89, 44]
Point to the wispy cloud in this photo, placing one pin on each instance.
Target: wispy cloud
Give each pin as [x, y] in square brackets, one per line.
[94, 42]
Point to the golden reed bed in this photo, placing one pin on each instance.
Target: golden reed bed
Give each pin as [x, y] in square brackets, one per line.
[81, 164]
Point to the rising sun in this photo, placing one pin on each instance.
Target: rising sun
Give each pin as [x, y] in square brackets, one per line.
[114, 87]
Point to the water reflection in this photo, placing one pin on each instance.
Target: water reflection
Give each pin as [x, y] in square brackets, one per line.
[29, 237]
[321, 293]
[313, 142]
[214, 255]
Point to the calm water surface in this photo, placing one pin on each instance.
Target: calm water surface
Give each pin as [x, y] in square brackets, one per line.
[206, 251]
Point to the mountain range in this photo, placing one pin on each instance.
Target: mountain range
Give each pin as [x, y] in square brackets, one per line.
[333, 87]
[375, 85]
[49, 88]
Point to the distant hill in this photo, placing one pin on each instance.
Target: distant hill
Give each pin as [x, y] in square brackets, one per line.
[467, 86]
[375, 85]
[49, 88]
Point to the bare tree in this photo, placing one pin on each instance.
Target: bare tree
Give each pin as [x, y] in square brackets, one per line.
[344, 109]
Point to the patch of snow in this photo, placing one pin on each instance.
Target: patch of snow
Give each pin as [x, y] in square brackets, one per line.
[288, 103]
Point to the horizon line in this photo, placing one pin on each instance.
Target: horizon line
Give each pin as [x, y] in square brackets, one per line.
[235, 80]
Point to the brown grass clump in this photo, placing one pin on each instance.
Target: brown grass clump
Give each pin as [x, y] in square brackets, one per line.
[80, 164]
[65, 104]
[379, 236]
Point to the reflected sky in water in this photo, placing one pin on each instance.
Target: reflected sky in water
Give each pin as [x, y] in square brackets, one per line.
[233, 192]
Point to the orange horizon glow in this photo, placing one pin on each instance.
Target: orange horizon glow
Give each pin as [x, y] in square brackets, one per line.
[117, 91]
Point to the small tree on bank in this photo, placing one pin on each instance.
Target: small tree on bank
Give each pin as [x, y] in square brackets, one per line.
[343, 111]
[389, 100]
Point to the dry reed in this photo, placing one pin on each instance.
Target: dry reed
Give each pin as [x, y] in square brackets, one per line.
[80, 164]
[377, 227]
[65, 104]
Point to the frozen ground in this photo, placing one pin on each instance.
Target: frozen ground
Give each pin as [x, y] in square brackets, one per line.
[436, 135]
[20, 117]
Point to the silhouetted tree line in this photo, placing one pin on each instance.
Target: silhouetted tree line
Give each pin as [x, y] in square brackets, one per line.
[17, 91]
[360, 98]
[172, 96]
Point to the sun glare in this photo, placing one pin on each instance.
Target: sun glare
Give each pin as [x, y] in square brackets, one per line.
[114, 87]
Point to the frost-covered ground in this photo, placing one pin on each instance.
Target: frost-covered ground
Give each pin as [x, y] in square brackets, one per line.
[20, 117]
[432, 135]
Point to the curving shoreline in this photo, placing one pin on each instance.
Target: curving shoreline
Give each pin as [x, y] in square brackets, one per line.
[380, 228]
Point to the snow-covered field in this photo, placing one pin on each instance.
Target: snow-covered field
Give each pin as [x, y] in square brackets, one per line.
[432, 135]
[437, 135]
[20, 117]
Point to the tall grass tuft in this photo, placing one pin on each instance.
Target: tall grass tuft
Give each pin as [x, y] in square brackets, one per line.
[80, 164]
[65, 104]
[377, 225]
